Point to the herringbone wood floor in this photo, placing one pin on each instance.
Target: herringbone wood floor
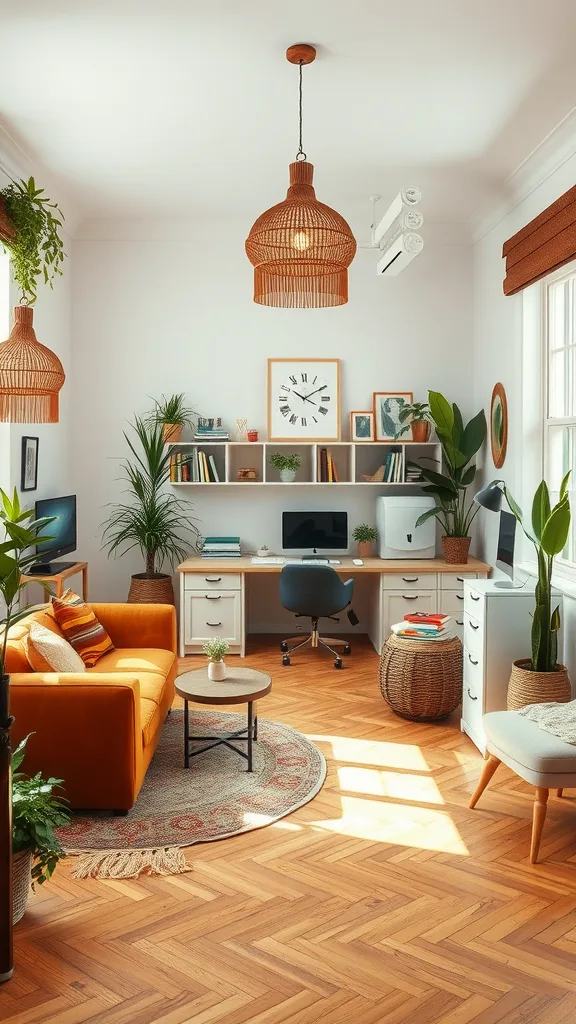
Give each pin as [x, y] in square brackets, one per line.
[383, 900]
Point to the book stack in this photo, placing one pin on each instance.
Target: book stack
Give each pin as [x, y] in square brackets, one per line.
[424, 626]
[210, 429]
[327, 472]
[413, 474]
[221, 547]
[194, 467]
[394, 468]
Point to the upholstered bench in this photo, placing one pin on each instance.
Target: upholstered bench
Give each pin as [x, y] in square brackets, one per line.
[538, 757]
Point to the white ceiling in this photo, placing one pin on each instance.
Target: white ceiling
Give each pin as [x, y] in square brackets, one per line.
[179, 108]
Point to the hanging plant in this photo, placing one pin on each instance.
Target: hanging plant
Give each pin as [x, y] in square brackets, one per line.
[34, 243]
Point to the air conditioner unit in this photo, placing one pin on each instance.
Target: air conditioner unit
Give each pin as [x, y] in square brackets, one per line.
[396, 233]
[399, 254]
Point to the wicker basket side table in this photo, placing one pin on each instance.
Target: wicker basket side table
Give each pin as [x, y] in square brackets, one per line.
[421, 680]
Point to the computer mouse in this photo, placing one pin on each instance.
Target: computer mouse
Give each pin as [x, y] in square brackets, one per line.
[357, 561]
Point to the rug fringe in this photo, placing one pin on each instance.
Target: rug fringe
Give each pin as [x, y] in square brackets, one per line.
[169, 860]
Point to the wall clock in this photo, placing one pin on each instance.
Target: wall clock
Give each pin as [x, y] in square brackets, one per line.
[304, 399]
[498, 425]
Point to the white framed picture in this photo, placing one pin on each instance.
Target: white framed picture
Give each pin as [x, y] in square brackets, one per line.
[304, 399]
[387, 406]
[361, 426]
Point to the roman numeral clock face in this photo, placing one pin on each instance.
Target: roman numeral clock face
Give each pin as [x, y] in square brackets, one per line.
[304, 399]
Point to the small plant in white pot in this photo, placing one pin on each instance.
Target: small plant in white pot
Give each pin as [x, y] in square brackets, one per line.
[215, 650]
[263, 551]
[287, 466]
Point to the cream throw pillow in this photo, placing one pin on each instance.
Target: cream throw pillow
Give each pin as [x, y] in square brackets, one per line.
[54, 649]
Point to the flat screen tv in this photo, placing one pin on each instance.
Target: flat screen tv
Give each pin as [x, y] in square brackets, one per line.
[319, 531]
[62, 532]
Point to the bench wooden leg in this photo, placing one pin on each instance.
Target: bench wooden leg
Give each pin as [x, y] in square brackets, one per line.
[559, 792]
[488, 770]
[538, 819]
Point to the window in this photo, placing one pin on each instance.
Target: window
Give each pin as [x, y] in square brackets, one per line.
[560, 392]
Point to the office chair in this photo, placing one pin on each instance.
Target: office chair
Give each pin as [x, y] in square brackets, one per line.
[318, 592]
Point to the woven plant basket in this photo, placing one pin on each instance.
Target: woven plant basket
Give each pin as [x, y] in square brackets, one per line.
[156, 589]
[456, 549]
[526, 687]
[171, 433]
[419, 679]
[21, 879]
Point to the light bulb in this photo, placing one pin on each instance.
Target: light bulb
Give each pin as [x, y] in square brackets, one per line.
[300, 240]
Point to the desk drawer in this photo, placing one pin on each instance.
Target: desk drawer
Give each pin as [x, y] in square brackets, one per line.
[474, 636]
[407, 581]
[474, 604]
[212, 580]
[212, 615]
[455, 581]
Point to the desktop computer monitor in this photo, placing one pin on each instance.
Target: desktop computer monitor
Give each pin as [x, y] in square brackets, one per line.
[62, 531]
[316, 531]
[505, 551]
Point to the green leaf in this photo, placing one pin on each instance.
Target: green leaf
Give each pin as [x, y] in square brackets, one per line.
[564, 486]
[428, 514]
[555, 532]
[555, 619]
[442, 413]
[540, 509]
[474, 435]
[514, 507]
[439, 480]
[468, 476]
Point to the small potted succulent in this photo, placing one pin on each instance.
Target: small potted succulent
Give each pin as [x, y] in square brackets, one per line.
[365, 536]
[417, 416]
[287, 465]
[172, 414]
[36, 812]
[263, 551]
[215, 650]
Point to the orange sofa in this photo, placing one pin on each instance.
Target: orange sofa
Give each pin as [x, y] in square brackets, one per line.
[97, 730]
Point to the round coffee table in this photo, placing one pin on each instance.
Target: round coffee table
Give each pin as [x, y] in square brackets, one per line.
[241, 686]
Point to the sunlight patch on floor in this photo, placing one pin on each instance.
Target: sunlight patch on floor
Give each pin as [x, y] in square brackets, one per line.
[376, 753]
[419, 788]
[419, 827]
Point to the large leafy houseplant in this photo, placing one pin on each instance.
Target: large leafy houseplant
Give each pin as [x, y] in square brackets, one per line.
[36, 812]
[454, 509]
[33, 241]
[152, 519]
[173, 414]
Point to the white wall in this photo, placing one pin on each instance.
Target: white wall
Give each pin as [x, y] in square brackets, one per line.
[499, 356]
[164, 314]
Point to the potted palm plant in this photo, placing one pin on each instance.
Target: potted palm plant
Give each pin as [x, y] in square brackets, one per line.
[152, 519]
[29, 233]
[21, 533]
[364, 536]
[455, 509]
[173, 414]
[416, 416]
[36, 812]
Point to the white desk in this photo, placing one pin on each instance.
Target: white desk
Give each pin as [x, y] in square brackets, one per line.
[213, 594]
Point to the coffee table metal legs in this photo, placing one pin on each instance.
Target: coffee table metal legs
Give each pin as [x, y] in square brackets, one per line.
[250, 734]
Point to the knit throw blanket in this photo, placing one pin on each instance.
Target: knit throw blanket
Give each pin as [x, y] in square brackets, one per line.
[557, 719]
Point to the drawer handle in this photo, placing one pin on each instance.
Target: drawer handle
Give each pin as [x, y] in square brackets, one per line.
[410, 597]
[212, 597]
[477, 598]
[471, 659]
[460, 579]
[472, 626]
[459, 597]
[459, 622]
[410, 579]
[213, 623]
[212, 579]
[470, 695]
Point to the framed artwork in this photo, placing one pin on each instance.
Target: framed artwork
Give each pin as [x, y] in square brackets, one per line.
[498, 425]
[29, 464]
[387, 406]
[303, 399]
[361, 426]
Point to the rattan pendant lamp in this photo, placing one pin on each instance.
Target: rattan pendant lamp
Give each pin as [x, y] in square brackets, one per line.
[301, 249]
[31, 375]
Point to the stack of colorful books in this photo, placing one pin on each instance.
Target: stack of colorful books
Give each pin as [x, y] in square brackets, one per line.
[195, 467]
[210, 429]
[327, 472]
[221, 547]
[424, 626]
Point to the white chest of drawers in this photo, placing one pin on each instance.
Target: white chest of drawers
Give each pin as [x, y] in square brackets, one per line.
[496, 632]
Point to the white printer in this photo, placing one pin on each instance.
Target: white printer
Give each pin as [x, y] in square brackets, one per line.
[398, 535]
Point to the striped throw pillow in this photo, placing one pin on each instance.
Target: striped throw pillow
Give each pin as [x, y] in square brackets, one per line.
[81, 627]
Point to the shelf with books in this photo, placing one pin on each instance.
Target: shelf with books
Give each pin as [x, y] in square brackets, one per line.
[198, 464]
[334, 464]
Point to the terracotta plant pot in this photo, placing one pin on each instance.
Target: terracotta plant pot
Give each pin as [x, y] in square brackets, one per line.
[527, 687]
[171, 432]
[364, 548]
[21, 880]
[456, 549]
[420, 430]
[151, 589]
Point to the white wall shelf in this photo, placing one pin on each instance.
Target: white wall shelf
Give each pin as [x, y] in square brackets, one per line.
[353, 460]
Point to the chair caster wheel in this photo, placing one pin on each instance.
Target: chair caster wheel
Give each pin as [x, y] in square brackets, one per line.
[284, 647]
[347, 649]
[338, 663]
[285, 660]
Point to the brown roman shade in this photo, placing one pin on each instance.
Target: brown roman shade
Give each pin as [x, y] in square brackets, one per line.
[546, 243]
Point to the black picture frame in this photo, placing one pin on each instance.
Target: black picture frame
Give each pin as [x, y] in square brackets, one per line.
[29, 464]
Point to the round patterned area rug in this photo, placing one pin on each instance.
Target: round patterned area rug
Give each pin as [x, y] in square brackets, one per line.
[212, 799]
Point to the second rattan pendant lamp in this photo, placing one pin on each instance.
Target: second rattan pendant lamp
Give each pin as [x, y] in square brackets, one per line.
[301, 249]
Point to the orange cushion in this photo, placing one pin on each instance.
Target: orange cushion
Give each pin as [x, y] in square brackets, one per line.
[81, 628]
[137, 660]
[16, 658]
[150, 719]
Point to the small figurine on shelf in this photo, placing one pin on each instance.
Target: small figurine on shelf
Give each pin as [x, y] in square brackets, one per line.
[215, 650]
[247, 473]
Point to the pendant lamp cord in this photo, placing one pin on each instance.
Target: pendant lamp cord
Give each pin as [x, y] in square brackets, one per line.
[300, 155]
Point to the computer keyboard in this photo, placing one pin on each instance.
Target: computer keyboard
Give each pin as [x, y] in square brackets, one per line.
[267, 561]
